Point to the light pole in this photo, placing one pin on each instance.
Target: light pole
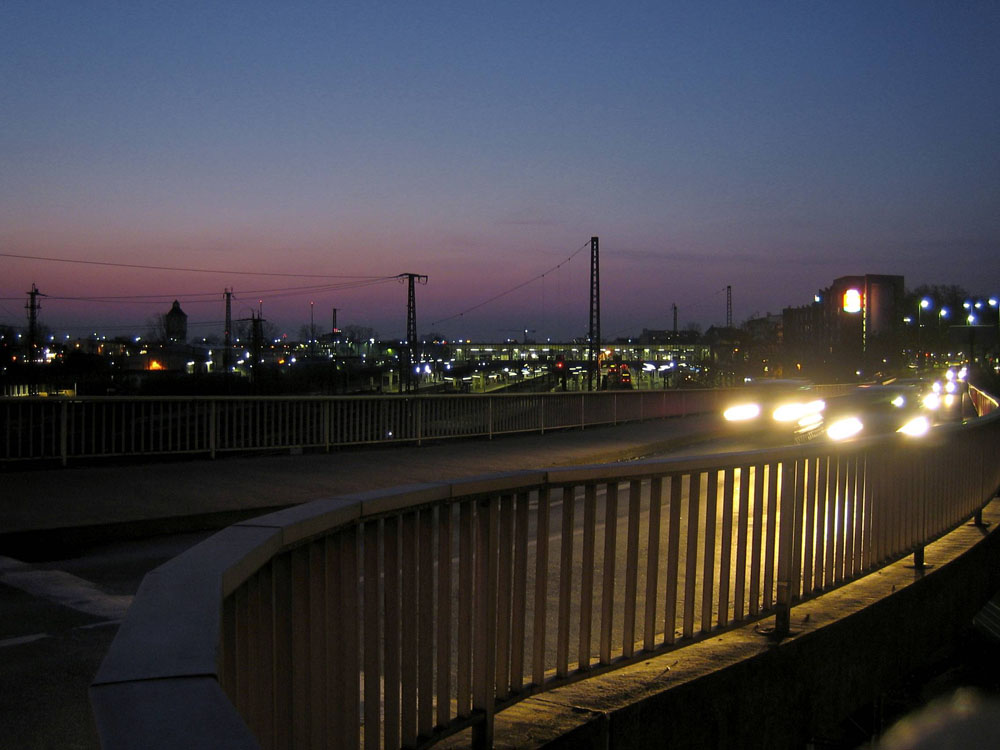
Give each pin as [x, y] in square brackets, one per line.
[924, 304]
[992, 302]
[942, 314]
[970, 320]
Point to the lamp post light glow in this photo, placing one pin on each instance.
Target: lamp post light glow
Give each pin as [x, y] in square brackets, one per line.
[992, 302]
[924, 304]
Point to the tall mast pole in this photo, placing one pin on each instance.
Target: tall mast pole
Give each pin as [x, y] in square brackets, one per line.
[32, 307]
[408, 354]
[594, 334]
[227, 350]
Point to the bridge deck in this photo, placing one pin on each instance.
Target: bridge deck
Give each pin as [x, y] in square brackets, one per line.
[86, 504]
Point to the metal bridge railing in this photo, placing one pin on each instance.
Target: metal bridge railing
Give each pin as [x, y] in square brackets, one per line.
[393, 619]
[99, 427]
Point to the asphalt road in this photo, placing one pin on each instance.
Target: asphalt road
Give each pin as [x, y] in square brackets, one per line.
[57, 620]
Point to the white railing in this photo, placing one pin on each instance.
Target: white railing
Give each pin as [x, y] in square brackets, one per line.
[393, 619]
[98, 427]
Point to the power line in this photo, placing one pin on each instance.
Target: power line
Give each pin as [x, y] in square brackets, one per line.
[200, 297]
[514, 288]
[185, 270]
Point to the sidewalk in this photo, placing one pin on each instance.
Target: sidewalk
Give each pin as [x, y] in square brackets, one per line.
[76, 506]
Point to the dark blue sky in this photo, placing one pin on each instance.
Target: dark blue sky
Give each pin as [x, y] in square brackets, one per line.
[770, 146]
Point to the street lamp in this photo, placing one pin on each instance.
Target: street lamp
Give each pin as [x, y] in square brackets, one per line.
[924, 304]
[992, 302]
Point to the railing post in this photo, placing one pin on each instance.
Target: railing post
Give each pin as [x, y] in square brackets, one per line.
[63, 432]
[326, 424]
[211, 428]
[419, 408]
[485, 613]
[489, 415]
[786, 521]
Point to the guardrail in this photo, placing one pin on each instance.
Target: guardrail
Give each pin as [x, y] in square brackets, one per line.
[94, 427]
[100, 427]
[982, 402]
[393, 619]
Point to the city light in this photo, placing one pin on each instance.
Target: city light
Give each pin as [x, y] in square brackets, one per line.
[853, 301]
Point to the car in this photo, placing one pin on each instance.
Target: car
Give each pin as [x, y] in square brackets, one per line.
[877, 409]
[782, 407]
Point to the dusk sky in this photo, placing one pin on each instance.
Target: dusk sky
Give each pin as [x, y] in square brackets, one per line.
[301, 150]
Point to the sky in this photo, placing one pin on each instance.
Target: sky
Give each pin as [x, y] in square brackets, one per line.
[304, 154]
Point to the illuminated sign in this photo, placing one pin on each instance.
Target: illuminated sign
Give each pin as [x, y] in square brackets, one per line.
[852, 301]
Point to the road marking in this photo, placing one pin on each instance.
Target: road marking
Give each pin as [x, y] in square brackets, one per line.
[105, 624]
[23, 639]
[63, 588]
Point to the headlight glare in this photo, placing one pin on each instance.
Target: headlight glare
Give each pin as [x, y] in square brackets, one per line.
[916, 427]
[741, 412]
[844, 428]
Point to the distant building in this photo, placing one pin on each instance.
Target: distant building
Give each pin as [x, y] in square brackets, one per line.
[653, 336]
[853, 326]
[175, 324]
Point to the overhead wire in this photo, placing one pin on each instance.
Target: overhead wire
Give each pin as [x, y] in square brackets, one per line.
[514, 288]
[230, 272]
[343, 282]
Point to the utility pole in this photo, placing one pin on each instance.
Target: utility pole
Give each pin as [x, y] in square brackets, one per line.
[227, 350]
[334, 339]
[256, 341]
[407, 355]
[312, 330]
[32, 307]
[594, 334]
[729, 306]
[674, 306]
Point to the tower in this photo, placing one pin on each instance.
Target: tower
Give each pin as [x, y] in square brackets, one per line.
[594, 334]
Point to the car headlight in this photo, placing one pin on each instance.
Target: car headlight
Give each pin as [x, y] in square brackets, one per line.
[793, 412]
[916, 427]
[810, 420]
[844, 428]
[932, 401]
[741, 412]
